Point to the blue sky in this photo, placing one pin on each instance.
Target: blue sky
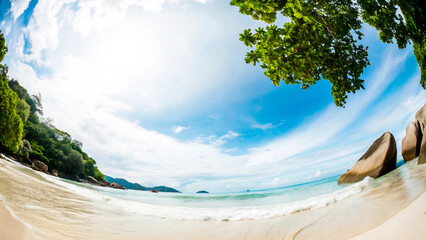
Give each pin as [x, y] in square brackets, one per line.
[159, 93]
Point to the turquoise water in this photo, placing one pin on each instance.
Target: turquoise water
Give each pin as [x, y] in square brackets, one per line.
[257, 204]
[239, 199]
[230, 206]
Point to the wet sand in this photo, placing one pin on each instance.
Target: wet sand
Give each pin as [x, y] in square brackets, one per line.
[390, 206]
[406, 224]
[11, 228]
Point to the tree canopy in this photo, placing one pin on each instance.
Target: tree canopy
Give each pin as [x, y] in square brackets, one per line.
[11, 126]
[320, 39]
[44, 142]
[51, 145]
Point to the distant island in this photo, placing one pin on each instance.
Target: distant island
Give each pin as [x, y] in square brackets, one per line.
[135, 186]
[202, 191]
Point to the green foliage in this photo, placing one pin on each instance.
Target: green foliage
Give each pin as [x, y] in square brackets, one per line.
[92, 170]
[25, 149]
[320, 39]
[10, 122]
[11, 126]
[58, 150]
[37, 152]
[23, 110]
[3, 47]
[415, 18]
[33, 101]
[98, 175]
[383, 16]
[74, 163]
[420, 54]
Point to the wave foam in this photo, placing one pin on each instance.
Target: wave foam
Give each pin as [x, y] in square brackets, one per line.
[237, 213]
[214, 214]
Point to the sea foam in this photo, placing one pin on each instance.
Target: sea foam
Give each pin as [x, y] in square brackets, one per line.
[112, 198]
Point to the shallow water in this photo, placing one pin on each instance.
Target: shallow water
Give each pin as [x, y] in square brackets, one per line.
[61, 209]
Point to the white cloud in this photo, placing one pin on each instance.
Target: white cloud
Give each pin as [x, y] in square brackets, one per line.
[178, 129]
[18, 7]
[278, 182]
[218, 141]
[42, 29]
[103, 13]
[317, 174]
[106, 58]
[262, 126]
[265, 126]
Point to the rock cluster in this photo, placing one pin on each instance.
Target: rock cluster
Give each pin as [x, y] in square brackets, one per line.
[42, 167]
[380, 158]
[102, 183]
[115, 185]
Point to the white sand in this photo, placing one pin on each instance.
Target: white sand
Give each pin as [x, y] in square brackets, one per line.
[409, 223]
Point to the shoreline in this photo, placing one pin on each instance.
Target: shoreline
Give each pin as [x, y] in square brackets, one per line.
[408, 223]
[11, 227]
[50, 217]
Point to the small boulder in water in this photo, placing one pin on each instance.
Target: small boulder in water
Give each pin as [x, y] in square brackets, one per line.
[379, 159]
[412, 140]
[38, 165]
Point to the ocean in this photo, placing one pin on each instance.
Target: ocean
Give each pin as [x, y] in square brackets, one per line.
[61, 209]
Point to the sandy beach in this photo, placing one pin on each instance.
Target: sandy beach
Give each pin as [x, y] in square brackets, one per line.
[392, 207]
[409, 223]
[406, 224]
[11, 228]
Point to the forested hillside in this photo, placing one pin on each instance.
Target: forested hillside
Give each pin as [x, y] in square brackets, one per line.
[25, 134]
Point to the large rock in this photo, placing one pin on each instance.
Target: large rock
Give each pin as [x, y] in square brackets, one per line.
[379, 159]
[421, 117]
[40, 166]
[104, 183]
[412, 140]
[115, 185]
[54, 172]
[91, 180]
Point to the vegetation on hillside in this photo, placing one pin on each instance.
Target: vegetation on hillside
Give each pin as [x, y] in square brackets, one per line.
[320, 39]
[27, 135]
